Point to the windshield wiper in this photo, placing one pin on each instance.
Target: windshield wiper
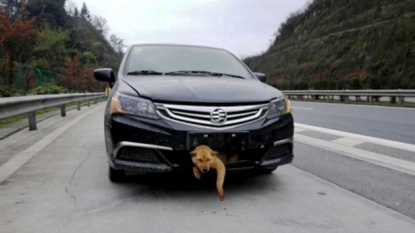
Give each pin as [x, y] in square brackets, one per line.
[144, 72]
[191, 72]
[229, 75]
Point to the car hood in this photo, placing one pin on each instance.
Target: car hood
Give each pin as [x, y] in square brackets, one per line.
[201, 89]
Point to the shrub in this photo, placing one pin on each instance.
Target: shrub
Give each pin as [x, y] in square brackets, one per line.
[7, 92]
[48, 89]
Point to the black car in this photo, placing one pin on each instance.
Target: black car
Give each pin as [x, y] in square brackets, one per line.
[168, 99]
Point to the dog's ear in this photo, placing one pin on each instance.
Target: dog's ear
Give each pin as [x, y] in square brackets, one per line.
[214, 153]
[192, 153]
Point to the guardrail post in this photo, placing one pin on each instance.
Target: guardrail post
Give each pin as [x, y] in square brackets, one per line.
[344, 98]
[357, 98]
[88, 103]
[78, 106]
[96, 100]
[63, 110]
[32, 121]
[401, 100]
[393, 99]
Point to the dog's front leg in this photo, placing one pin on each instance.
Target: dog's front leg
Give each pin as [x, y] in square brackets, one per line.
[196, 172]
[221, 170]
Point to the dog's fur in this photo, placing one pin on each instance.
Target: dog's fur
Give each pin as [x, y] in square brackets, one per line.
[204, 158]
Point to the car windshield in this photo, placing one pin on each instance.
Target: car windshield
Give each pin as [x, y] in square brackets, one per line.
[184, 60]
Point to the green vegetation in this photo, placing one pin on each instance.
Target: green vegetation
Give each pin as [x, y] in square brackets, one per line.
[47, 48]
[48, 89]
[343, 44]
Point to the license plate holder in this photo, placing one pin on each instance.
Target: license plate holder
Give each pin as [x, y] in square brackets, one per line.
[218, 140]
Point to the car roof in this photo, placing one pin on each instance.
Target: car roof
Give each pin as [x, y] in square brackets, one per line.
[178, 45]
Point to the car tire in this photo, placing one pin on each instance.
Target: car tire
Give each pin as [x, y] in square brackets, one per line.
[116, 176]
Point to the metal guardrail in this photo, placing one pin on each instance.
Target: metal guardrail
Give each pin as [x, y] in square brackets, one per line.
[371, 95]
[14, 106]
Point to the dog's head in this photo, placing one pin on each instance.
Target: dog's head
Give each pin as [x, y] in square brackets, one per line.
[203, 157]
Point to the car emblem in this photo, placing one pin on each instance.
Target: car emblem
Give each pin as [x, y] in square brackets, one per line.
[218, 116]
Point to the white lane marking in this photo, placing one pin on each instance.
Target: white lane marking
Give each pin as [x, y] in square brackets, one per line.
[378, 159]
[379, 141]
[298, 130]
[301, 108]
[348, 142]
[357, 105]
[11, 166]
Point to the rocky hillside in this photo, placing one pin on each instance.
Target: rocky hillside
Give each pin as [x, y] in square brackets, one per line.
[343, 44]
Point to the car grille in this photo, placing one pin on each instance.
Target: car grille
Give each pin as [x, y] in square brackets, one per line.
[213, 117]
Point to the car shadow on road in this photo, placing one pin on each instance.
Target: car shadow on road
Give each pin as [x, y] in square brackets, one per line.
[247, 181]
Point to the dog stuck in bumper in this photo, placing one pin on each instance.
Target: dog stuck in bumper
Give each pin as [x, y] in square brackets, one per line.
[204, 158]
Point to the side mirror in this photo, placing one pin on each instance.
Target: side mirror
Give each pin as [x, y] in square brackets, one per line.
[261, 77]
[104, 75]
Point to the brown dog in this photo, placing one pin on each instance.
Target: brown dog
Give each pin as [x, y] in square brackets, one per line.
[205, 158]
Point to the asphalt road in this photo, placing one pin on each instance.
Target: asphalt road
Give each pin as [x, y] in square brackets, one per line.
[390, 188]
[391, 123]
[56, 181]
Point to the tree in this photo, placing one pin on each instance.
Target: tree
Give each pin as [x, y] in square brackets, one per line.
[12, 6]
[50, 12]
[77, 77]
[76, 13]
[117, 43]
[70, 7]
[89, 81]
[85, 12]
[16, 40]
[101, 24]
[45, 41]
[73, 73]
[50, 51]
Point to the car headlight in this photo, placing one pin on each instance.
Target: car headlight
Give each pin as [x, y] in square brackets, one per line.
[122, 104]
[279, 107]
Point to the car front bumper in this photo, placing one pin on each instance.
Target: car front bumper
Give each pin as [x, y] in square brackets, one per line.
[144, 145]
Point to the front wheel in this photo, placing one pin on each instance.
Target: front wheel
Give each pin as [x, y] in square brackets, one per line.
[115, 175]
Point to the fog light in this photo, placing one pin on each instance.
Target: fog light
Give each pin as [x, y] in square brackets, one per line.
[138, 154]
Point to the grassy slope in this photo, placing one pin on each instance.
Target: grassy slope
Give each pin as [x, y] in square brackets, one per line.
[344, 44]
